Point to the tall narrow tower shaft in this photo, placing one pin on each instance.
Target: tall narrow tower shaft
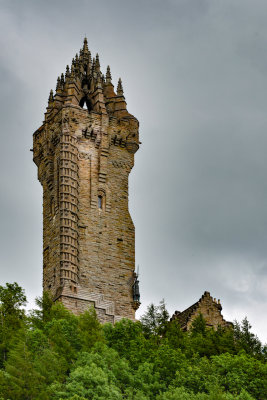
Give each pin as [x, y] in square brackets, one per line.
[84, 152]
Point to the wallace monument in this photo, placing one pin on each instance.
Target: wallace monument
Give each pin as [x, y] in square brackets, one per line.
[84, 152]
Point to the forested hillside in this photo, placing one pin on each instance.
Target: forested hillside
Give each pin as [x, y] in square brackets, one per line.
[53, 354]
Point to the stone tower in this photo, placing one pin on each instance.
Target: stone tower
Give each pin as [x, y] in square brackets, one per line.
[84, 152]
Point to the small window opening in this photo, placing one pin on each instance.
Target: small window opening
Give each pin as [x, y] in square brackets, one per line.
[100, 202]
[85, 103]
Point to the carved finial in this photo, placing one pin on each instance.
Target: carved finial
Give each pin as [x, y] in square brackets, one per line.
[108, 75]
[67, 73]
[85, 45]
[62, 80]
[119, 88]
[51, 97]
[58, 87]
[72, 71]
[76, 64]
[97, 63]
[93, 65]
[99, 81]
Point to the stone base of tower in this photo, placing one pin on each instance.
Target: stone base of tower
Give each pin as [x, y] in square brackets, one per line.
[78, 300]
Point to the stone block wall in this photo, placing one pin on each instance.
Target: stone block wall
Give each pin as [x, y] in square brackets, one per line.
[209, 307]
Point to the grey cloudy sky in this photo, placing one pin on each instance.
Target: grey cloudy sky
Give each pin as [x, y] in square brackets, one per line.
[195, 75]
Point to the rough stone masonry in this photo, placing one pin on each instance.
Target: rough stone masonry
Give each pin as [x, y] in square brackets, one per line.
[84, 152]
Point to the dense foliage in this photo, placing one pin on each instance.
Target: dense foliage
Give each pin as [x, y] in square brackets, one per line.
[52, 354]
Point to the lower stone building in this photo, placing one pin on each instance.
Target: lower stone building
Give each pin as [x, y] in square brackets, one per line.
[209, 307]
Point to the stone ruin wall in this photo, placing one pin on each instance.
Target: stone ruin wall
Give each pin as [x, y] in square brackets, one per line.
[210, 308]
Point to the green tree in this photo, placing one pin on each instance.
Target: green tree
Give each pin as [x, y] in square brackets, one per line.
[147, 381]
[115, 367]
[174, 335]
[12, 316]
[155, 320]
[246, 340]
[198, 325]
[21, 381]
[90, 382]
[63, 336]
[89, 329]
[54, 354]
[231, 373]
[180, 393]
[39, 317]
[167, 361]
[127, 338]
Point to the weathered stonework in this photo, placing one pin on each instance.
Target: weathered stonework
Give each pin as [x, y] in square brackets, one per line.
[209, 307]
[84, 157]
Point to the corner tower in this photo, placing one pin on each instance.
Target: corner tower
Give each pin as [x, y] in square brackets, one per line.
[84, 152]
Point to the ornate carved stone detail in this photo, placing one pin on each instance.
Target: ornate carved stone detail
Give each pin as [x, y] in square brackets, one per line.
[84, 156]
[132, 147]
[121, 164]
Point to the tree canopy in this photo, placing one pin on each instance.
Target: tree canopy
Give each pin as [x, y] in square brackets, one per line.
[50, 353]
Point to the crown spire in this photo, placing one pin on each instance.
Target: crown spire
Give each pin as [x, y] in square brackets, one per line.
[58, 84]
[119, 88]
[67, 73]
[97, 63]
[50, 99]
[62, 81]
[108, 75]
[72, 70]
[85, 45]
[89, 60]
[99, 81]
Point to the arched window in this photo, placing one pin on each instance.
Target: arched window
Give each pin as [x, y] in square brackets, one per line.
[100, 202]
[85, 103]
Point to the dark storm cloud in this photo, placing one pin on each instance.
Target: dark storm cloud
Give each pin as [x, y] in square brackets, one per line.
[195, 75]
